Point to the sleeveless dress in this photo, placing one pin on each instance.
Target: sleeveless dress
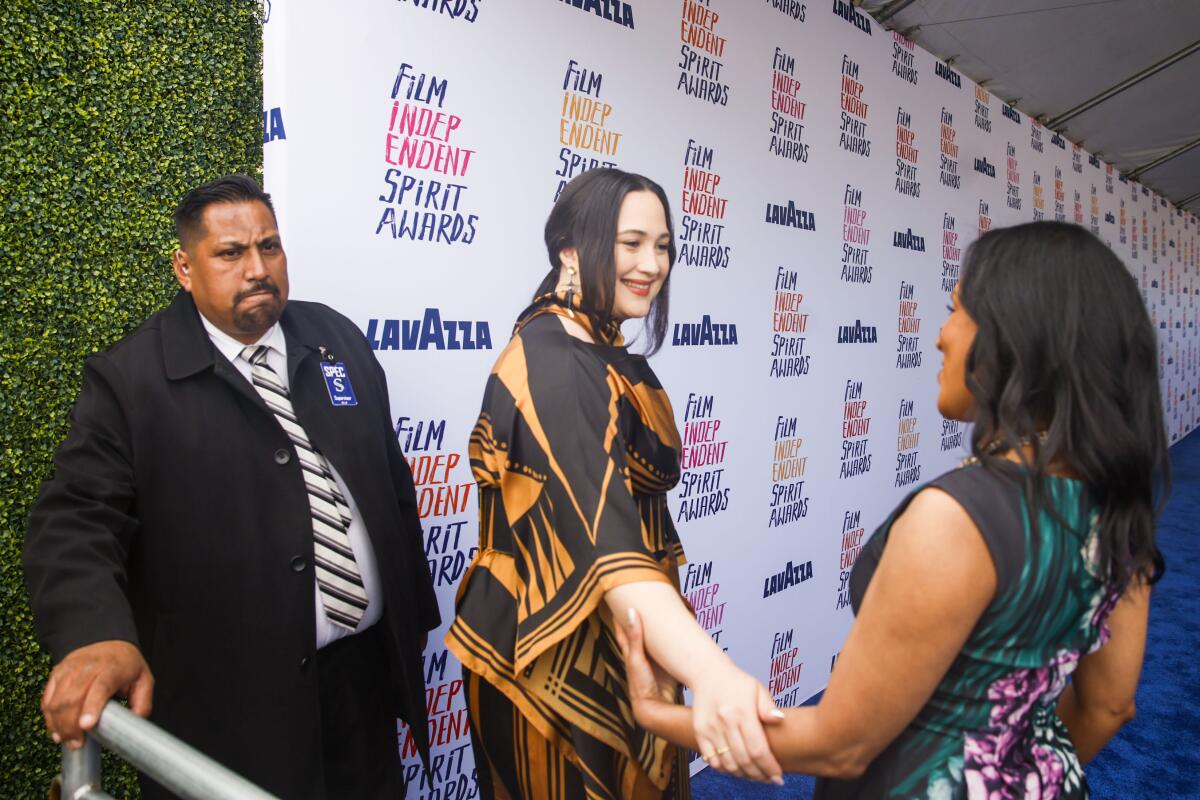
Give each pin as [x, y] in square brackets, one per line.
[990, 730]
[574, 450]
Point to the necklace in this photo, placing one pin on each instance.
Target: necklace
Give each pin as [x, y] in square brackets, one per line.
[995, 446]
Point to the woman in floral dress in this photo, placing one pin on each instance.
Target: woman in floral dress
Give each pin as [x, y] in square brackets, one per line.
[1001, 609]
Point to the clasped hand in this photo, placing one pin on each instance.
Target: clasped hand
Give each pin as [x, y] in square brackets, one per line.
[729, 708]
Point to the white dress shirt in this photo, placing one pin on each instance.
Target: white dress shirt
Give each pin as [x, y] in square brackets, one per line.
[360, 542]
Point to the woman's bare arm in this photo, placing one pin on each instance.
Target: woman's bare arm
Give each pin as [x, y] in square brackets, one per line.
[731, 705]
[1100, 697]
[933, 582]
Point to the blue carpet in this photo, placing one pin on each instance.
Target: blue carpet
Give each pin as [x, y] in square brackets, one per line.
[1157, 755]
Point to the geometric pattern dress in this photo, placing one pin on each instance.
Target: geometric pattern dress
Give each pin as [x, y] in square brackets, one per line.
[991, 729]
[573, 452]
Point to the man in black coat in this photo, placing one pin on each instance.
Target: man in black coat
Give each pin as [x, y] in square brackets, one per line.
[231, 530]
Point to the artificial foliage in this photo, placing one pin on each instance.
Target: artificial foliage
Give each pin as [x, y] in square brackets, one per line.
[111, 111]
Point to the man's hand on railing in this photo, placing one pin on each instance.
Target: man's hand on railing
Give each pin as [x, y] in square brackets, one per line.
[86, 679]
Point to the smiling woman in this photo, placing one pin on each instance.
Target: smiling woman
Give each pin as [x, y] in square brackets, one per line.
[574, 451]
[641, 258]
[611, 246]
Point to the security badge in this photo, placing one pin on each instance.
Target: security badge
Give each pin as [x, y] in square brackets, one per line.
[337, 380]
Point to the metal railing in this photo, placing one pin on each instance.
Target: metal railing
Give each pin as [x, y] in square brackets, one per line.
[180, 768]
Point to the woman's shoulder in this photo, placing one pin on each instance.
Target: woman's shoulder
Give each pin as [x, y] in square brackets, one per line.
[966, 485]
[543, 359]
[993, 497]
[543, 326]
[547, 335]
[541, 337]
[990, 495]
[995, 493]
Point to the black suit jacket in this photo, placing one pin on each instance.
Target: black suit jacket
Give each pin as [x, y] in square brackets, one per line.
[177, 519]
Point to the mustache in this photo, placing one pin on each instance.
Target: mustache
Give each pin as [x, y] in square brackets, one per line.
[265, 285]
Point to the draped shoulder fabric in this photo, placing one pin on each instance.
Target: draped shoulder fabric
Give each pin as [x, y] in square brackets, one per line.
[574, 451]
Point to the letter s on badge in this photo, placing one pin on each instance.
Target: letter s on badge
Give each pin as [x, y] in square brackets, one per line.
[337, 382]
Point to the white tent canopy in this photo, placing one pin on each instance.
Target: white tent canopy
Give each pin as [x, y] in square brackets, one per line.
[1118, 77]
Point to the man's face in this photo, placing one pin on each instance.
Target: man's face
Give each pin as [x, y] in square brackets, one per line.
[236, 270]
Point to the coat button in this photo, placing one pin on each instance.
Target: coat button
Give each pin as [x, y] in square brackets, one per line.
[298, 563]
[282, 456]
[304, 662]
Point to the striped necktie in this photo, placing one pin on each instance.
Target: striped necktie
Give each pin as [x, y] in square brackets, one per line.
[338, 578]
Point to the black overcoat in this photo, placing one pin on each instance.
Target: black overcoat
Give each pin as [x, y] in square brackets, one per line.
[177, 519]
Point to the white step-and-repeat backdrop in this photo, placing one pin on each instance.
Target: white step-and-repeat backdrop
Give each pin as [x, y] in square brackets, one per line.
[826, 177]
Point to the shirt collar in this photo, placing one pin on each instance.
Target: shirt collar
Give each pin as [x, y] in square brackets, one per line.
[231, 348]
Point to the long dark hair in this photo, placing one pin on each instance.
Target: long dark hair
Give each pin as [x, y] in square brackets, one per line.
[585, 217]
[1066, 361]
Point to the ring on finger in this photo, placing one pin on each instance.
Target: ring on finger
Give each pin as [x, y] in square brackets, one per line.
[722, 751]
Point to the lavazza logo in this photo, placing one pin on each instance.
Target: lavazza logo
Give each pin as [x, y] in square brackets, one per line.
[431, 332]
[790, 216]
[791, 575]
[907, 240]
[704, 333]
[846, 10]
[950, 76]
[857, 333]
[273, 124]
[984, 168]
[611, 10]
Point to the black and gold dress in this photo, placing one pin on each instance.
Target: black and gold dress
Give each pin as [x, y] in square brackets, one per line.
[574, 451]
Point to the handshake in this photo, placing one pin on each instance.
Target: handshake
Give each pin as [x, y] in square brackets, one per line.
[727, 721]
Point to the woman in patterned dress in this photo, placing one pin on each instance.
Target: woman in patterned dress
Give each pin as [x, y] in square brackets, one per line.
[574, 451]
[1001, 609]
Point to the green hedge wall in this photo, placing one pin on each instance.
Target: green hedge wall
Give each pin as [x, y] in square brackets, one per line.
[111, 110]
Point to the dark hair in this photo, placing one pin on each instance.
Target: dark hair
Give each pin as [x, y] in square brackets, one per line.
[585, 217]
[189, 214]
[1065, 360]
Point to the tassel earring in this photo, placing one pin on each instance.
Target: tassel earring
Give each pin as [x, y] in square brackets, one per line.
[571, 290]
